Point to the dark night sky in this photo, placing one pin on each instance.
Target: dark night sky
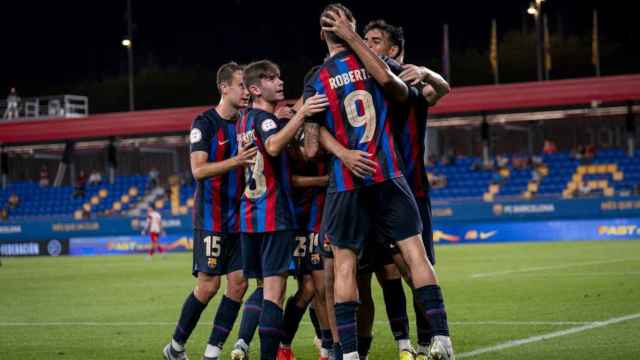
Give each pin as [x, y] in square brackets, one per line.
[53, 44]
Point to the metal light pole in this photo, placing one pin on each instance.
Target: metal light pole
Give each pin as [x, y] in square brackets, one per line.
[535, 9]
[128, 43]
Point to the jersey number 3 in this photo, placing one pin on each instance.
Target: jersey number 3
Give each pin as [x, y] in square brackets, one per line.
[361, 111]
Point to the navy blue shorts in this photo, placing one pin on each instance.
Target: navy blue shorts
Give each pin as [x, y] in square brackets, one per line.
[424, 205]
[375, 256]
[388, 211]
[215, 253]
[267, 254]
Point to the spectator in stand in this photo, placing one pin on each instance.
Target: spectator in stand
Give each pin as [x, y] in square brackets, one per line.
[153, 178]
[578, 153]
[520, 162]
[13, 100]
[502, 161]
[498, 179]
[590, 152]
[13, 201]
[535, 174]
[437, 181]
[584, 189]
[549, 147]
[95, 178]
[4, 214]
[44, 176]
[488, 165]
[431, 160]
[81, 185]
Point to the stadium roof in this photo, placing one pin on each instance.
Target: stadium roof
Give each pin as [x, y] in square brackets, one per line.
[462, 100]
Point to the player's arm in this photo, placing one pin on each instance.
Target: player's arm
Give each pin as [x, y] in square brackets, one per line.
[311, 139]
[309, 181]
[278, 139]
[393, 86]
[356, 161]
[436, 86]
[201, 168]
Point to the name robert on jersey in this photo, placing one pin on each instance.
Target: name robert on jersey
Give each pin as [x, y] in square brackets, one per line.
[348, 78]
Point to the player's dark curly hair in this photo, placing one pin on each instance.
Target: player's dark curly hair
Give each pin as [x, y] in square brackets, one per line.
[334, 7]
[225, 73]
[259, 70]
[396, 33]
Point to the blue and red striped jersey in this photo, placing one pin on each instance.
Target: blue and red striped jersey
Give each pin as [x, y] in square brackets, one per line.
[309, 201]
[359, 117]
[410, 136]
[267, 201]
[217, 198]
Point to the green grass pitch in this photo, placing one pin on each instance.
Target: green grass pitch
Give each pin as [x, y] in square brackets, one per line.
[123, 307]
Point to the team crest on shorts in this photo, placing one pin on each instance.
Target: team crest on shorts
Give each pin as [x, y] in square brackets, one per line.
[315, 259]
[212, 262]
[326, 243]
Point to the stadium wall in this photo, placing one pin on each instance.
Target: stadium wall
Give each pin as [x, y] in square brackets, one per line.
[459, 222]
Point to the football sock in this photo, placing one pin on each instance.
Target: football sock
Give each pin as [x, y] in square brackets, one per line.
[346, 322]
[270, 330]
[223, 323]
[430, 300]
[189, 316]
[396, 305]
[423, 328]
[292, 317]
[251, 316]
[364, 345]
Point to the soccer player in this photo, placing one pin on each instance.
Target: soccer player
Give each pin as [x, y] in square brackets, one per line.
[309, 180]
[388, 40]
[267, 214]
[359, 84]
[154, 229]
[217, 164]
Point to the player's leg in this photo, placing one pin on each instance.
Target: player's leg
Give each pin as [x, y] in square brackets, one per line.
[320, 305]
[206, 288]
[330, 303]
[294, 311]
[207, 285]
[346, 300]
[297, 304]
[423, 328]
[230, 304]
[395, 301]
[366, 313]
[154, 243]
[251, 312]
[251, 245]
[276, 253]
[399, 208]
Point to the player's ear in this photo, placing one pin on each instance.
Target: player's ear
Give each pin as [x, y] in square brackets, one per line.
[394, 51]
[322, 35]
[254, 90]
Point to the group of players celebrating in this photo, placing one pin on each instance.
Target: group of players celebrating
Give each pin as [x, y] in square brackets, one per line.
[332, 190]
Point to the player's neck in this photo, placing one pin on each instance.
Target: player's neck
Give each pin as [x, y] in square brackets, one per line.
[226, 111]
[264, 105]
[336, 48]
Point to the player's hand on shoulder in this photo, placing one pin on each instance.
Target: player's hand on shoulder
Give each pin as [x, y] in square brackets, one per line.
[314, 104]
[246, 154]
[285, 112]
[412, 74]
[358, 163]
[337, 22]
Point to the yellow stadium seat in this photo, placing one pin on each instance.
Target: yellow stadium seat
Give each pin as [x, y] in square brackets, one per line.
[125, 199]
[581, 169]
[77, 215]
[133, 191]
[190, 202]
[488, 197]
[533, 187]
[592, 169]
[609, 192]
[612, 168]
[618, 176]
[103, 193]
[117, 206]
[95, 200]
[601, 169]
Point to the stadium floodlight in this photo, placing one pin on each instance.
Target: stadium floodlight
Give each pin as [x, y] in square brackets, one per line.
[126, 43]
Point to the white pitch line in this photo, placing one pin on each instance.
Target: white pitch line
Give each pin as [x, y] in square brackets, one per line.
[555, 334]
[543, 268]
[378, 322]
